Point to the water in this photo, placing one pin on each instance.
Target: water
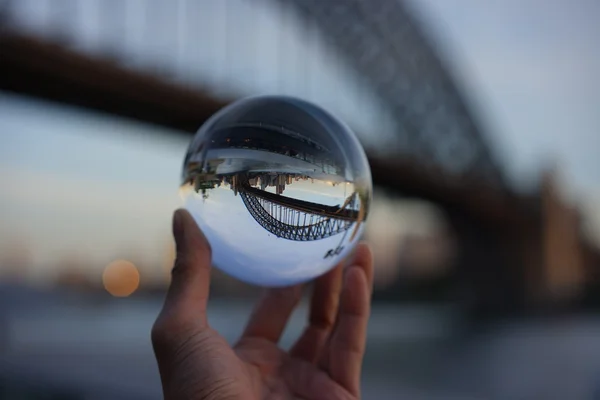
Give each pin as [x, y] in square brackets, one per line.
[103, 349]
[280, 188]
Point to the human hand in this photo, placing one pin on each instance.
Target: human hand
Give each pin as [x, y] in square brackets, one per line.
[195, 361]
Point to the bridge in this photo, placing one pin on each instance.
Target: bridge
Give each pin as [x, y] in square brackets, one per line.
[437, 150]
[291, 223]
[295, 219]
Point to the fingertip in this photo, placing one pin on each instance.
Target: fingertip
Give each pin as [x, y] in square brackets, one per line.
[178, 224]
[356, 292]
[182, 220]
[190, 276]
[331, 276]
[363, 259]
[355, 278]
[185, 228]
[193, 249]
[364, 254]
[182, 213]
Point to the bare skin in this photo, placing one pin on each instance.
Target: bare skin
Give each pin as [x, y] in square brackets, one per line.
[195, 361]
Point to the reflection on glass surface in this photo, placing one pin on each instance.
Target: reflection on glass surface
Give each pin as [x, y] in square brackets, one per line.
[280, 188]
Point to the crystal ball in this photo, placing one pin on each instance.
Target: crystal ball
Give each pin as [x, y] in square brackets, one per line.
[279, 186]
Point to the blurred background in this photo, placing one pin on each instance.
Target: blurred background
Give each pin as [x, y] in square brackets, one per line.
[481, 123]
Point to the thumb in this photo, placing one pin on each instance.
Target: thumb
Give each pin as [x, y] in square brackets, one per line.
[187, 297]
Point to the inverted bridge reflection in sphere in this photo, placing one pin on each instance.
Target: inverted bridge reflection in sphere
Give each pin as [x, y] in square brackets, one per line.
[242, 161]
[264, 237]
[296, 219]
[288, 217]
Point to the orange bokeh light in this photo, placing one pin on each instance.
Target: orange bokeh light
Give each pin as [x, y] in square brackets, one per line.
[121, 278]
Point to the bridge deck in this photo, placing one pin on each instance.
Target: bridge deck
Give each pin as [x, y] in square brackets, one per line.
[33, 67]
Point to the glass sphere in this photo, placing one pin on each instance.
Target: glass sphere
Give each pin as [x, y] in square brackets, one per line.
[280, 188]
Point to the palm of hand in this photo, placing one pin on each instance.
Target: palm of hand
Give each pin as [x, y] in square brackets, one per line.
[196, 362]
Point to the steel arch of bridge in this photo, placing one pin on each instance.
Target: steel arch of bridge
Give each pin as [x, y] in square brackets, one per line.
[385, 46]
[289, 223]
[382, 42]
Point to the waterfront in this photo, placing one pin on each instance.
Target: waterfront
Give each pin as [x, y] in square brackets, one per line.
[100, 349]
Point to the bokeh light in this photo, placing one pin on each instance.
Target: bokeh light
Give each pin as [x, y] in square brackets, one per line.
[121, 278]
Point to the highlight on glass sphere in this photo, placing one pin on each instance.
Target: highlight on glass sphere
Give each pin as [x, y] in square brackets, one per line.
[280, 188]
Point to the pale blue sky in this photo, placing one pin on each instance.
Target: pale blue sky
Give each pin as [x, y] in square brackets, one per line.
[533, 69]
[105, 187]
[528, 66]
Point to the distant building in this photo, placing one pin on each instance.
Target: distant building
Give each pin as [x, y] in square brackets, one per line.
[563, 273]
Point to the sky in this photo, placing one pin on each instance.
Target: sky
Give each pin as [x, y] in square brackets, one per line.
[85, 187]
[531, 67]
[76, 184]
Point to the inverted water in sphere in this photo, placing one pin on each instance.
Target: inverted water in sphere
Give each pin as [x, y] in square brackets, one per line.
[280, 188]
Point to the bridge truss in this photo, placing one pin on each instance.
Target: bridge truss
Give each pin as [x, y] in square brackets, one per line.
[293, 219]
[433, 125]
